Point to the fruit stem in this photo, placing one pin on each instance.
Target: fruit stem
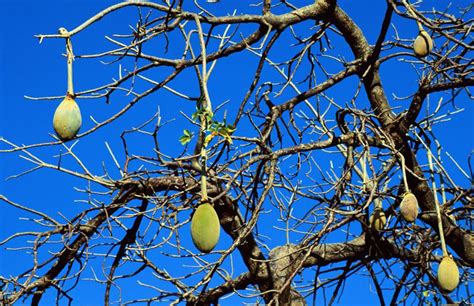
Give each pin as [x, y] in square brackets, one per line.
[410, 10]
[204, 174]
[378, 204]
[420, 27]
[205, 74]
[438, 213]
[70, 58]
[206, 104]
[364, 170]
[405, 182]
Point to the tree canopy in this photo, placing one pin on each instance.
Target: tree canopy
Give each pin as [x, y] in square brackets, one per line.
[310, 135]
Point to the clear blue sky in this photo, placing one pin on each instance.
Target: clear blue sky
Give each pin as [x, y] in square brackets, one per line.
[33, 69]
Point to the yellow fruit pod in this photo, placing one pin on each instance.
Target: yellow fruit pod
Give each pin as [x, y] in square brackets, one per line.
[205, 228]
[377, 220]
[409, 207]
[448, 274]
[423, 44]
[67, 119]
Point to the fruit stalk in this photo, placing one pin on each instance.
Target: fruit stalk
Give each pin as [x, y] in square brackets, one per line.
[204, 174]
[206, 104]
[70, 58]
[405, 181]
[365, 178]
[412, 13]
[438, 213]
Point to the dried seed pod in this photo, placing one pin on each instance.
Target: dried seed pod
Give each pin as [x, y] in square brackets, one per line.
[409, 207]
[67, 119]
[448, 274]
[377, 220]
[205, 228]
[423, 44]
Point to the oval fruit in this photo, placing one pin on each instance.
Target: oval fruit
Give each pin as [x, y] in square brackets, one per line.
[67, 119]
[205, 228]
[448, 274]
[378, 220]
[409, 207]
[423, 44]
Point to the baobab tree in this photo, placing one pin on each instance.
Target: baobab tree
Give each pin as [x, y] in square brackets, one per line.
[310, 162]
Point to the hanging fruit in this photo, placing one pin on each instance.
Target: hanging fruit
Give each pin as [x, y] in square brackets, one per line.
[448, 274]
[377, 220]
[423, 44]
[409, 207]
[205, 228]
[67, 119]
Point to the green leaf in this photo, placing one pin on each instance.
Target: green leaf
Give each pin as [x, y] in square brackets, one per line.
[225, 134]
[187, 136]
[230, 128]
[197, 113]
[200, 112]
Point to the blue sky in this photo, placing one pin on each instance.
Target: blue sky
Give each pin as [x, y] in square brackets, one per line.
[33, 69]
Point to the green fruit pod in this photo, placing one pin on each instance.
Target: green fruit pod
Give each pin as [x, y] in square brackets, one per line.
[409, 207]
[448, 274]
[67, 119]
[423, 44]
[205, 228]
[377, 220]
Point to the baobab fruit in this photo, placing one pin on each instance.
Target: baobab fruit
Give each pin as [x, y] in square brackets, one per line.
[205, 228]
[377, 220]
[448, 274]
[423, 44]
[409, 207]
[67, 119]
